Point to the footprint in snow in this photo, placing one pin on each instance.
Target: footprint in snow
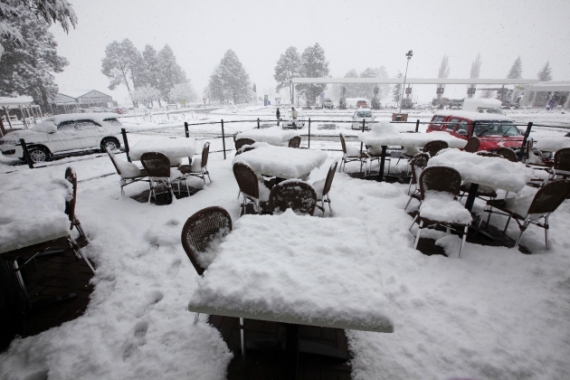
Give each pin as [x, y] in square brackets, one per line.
[137, 340]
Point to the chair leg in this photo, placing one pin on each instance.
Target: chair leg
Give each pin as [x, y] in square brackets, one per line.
[546, 227]
[413, 222]
[329, 202]
[465, 229]
[242, 338]
[78, 252]
[418, 234]
[523, 229]
[507, 225]
[407, 204]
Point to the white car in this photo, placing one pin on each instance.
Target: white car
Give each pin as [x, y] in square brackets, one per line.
[363, 114]
[63, 135]
[287, 121]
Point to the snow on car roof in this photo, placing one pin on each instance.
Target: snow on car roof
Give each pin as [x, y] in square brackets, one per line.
[82, 116]
[473, 115]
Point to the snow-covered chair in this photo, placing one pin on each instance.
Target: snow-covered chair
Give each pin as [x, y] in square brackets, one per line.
[507, 153]
[322, 188]
[526, 210]
[561, 167]
[417, 164]
[294, 194]
[128, 171]
[243, 141]
[197, 168]
[295, 142]
[253, 190]
[472, 145]
[157, 167]
[439, 186]
[433, 147]
[350, 154]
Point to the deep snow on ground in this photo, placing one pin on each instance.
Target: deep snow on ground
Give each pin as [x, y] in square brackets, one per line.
[494, 313]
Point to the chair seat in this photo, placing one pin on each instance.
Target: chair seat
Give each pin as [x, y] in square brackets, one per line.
[445, 211]
[319, 187]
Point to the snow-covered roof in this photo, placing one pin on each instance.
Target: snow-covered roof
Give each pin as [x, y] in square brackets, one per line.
[96, 116]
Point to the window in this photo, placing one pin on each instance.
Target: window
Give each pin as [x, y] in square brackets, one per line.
[462, 128]
[114, 122]
[364, 114]
[451, 124]
[66, 126]
[496, 128]
[84, 125]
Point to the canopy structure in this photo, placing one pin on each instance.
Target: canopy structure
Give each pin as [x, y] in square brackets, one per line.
[23, 103]
[468, 81]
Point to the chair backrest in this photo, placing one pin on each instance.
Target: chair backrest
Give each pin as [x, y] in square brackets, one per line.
[486, 153]
[247, 179]
[343, 143]
[205, 154]
[156, 164]
[114, 161]
[435, 146]
[507, 153]
[472, 145]
[70, 204]
[295, 142]
[294, 194]
[440, 178]
[235, 136]
[418, 164]
[201, 228]
[244, 141]
[562, 159]
[549, 197]
[330, 177]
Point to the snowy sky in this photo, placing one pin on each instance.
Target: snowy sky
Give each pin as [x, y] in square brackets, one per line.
[367, 33]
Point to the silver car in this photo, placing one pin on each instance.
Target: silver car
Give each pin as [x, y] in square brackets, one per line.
[64, 135]
[363, 114]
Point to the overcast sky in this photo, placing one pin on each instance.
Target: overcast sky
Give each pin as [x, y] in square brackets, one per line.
[353, 34]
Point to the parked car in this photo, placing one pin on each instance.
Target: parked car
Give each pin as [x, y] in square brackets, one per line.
[287, 121]
[494, 130]
[327, 103]
[361, 104]
[65, 134]
[363, 114]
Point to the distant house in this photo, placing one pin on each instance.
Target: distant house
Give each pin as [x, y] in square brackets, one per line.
[72, 100]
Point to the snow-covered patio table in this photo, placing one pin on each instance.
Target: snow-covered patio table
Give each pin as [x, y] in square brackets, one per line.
[281, 162]
[298, 270]
[495, 172]
[552, 144]
[173, 148]
[273, 135]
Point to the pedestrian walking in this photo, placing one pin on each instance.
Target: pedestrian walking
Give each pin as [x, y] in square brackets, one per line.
[294, 116]
[278, 116]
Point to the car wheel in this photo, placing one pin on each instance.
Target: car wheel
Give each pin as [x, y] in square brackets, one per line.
[110, 143]
[39, 154]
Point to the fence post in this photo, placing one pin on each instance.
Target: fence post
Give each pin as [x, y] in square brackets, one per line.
[309, 136]
[526, 134]
[361, 143]
[223, 139]
[186, 132]
[27, 154]
[258, 125]
[417, 124]
[126, 142]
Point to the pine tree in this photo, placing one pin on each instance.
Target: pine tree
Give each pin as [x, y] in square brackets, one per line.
[545, 74]
[26, 69]
[146, 95]
[516, 70]
[443, 72]
[169, 72]
[183, 93]
[397, 90]
[352, 89]
[475, 71]
[366, 90]
[313, 65]
[230, 81]
[288, 67]
[122, 65]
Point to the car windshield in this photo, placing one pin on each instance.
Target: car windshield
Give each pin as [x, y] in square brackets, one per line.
[364, 114]
[496, 128]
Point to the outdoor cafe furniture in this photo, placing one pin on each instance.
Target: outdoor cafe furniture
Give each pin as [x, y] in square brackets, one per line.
[507, 153]
[251, 187]
[129, 172]
[439, 186]
[273, 135]
[157, 166]
[433, 147]
[292, 194]
[561, 167]
[526, 210]
[472, 145]
[494, 172]
[418, 163]
[322, 188]
[281, 162]
[198, 167]
[33, 222]
[380, 141]
[241, 142]
[351, 154]
[297, 270]
[173, 148]
[294, 142]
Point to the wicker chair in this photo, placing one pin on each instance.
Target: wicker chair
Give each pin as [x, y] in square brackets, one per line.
[545, 202]
[244, 141]
[198, 168]
[250, 188]
[322, 188]
[351, 154]
[70, 205]
[485, 153]
[157, 166]
[374, 155]
[417, 164]
[561, 167]
[441, 179]
[507, 153]
[295, 142]
[472, 145]
[433, 147]
[128, 171]
[294, 194]
[197, 234]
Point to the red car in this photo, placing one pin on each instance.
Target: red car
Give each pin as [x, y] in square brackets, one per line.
[494, 130]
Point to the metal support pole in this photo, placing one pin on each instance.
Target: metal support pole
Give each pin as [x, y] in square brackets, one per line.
[258, 125]
[417, 124]
[186, 131]
[363, 126]
[526, 134]
[126, 143]
[309, 136]
[26, 154]
[7, 112]
[224, 139]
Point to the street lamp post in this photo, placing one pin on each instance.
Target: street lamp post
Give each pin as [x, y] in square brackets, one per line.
[409, 56]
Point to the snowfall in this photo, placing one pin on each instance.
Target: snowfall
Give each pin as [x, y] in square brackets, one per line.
[493, 313]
